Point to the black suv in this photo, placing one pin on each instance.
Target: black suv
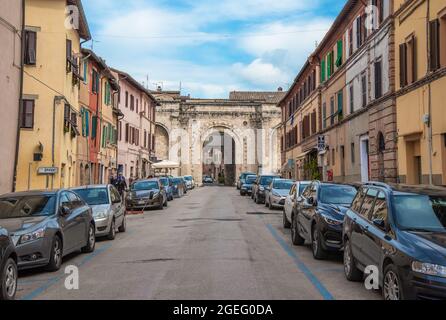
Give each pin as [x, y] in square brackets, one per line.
[401, 230]
[258, 189]
[8, 267]
[318, 216]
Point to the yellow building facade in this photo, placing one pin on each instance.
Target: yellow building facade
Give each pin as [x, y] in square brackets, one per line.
[420, 40]
[50, 101]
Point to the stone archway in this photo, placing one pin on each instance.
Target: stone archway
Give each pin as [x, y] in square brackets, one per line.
[162, 142]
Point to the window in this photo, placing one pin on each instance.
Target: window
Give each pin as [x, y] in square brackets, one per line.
[324, 115]
[340, 112]
[313, 122]
[333, 157]
[332, 110]
[95, 82]
[120, 130]
[126, 99]
[323, 70]
[364, 90]
[137, 105]
[350, 41]
[30, 48]
[339, 53]
[434, 40]
[359, 31]
[380, 210]
[132, 102]
[66, 113]
[357, 202]
[352, 98]
[69, 50]
[378, 79]
[127, 132]
[352, 149]
[408, 63]
[369, 202]
[27, 114]
[330, 64]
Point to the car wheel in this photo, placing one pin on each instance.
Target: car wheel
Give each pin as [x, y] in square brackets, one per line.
[112, 233]
[392, 286]
[55, 255]
[258, 200]
[9, 276]
[295, 236]
[91, 241]
[316, 244]
[266, 203]
[161, 206]
[166, 203]
[286, 223]
[123, 226]
[352, 273]
[242, 193]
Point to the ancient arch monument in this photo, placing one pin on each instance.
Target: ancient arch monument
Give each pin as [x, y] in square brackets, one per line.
[219, 136]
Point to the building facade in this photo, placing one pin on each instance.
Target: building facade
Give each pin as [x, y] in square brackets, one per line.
[420, 40]
[11, 26]
[136, 129]
[97, 144]
[50, 102]
[350, 131]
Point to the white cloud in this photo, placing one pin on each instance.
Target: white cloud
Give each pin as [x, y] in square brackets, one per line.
[261, 73]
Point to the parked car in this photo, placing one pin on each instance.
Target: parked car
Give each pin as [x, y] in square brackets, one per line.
[276, 192]
[190, 183]
[319, 216]
[167, 183]
[45, 226]
[246, 187]
[8, 267]
[108, 209]
[146, 194]
[258, 189]
[242, 179]
[291, 200]
[402, 231]
[179, 188]
[208, 180]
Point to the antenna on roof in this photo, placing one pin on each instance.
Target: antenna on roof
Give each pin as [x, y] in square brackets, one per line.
[180, 86]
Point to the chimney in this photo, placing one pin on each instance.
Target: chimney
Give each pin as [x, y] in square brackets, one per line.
[159, 89]
[280, 89]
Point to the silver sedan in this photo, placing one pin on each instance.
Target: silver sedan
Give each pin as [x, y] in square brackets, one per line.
[276, 193]
[108, 209]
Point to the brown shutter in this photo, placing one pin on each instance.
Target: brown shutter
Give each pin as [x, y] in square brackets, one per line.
[434, 45]
[403, 65]
[30, 47]
[414, 59]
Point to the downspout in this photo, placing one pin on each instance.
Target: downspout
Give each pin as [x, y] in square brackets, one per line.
[430, 131]
[22, 55]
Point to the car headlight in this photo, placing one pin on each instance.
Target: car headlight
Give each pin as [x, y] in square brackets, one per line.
[32, 236]
[102, 215]
[429, 269]
[261, 188]
[332, 222]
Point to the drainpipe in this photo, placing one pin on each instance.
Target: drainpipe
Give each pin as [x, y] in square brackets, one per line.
[430, 130]
[22, 55]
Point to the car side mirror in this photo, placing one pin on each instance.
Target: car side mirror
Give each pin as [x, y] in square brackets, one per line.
[380, 223]
[64, 211]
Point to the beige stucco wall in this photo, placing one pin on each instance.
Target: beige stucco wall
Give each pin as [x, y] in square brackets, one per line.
[10, 62]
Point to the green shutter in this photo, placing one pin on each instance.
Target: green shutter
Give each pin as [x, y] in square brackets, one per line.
[87, 126]
[340, 104]
[340, 51]
[329, 66]
[104, 136]
[94, 126]
[323, 70]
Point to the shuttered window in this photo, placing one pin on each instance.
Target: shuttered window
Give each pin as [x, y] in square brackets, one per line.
[30, 47]
[434, 39]
[340, 105]
[378, 79]
[94, 126]
[27, 114]
[323, 70]
[339, 54]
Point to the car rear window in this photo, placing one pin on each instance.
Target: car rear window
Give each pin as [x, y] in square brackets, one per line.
[94, 196]
[266, 180]
[251, 179]
[337, 194]
[27, 206]
[145, 185]
[283, 185]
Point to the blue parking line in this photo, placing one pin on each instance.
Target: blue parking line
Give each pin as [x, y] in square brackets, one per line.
[302, 267]
[49, 283]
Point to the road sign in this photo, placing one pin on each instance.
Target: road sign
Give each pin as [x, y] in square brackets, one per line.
[48, 170]
[321, 143]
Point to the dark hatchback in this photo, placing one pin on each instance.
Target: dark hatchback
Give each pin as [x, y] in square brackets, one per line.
[145, 194]
[259, 187]
[8, 267]
[319, 214]
[246, 187]
[401, 230]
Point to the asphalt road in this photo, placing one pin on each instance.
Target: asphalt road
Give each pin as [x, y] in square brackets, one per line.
[211, 244]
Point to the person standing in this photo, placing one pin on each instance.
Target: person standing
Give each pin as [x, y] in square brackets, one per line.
[120, 184]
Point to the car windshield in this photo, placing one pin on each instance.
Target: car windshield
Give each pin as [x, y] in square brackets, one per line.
[264, 181]
[302, 187]
[188, 178]
[145, 185]
[334, 194]
[164, 181]
[27, 206]
[251, 179]
[420, 212]
[94, 196]
[283, 185]
[245, 175]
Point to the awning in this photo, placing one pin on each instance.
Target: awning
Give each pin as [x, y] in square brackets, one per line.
[166, 164]
[303, 155]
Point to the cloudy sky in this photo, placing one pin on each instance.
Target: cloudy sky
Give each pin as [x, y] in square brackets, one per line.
[209, 46]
